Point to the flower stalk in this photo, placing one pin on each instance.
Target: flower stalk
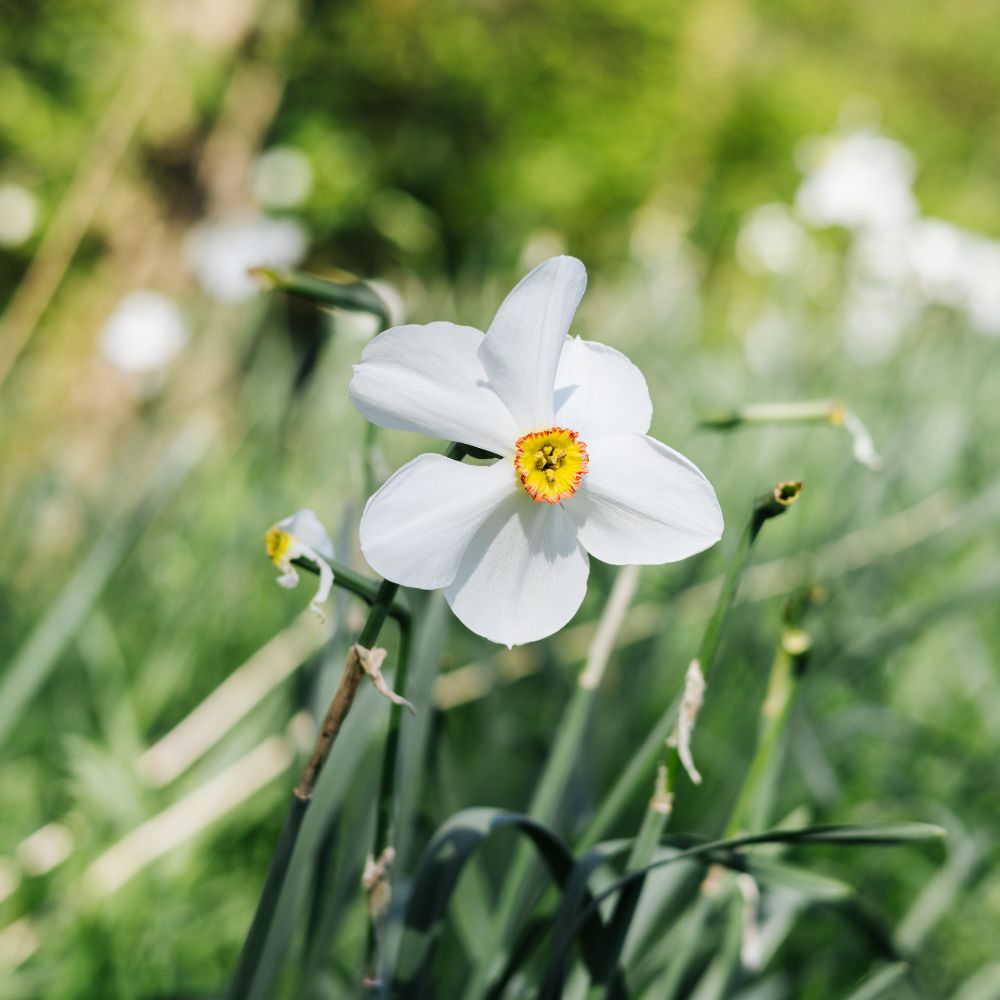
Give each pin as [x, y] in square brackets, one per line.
[382, 598]
[253, 948]
[570, 734]
[822, 411]
[376, 881]
[675, 720]
[638, 768]
[751, 811]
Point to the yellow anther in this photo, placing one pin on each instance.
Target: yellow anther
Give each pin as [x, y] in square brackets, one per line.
[276, 542]
[551, 463]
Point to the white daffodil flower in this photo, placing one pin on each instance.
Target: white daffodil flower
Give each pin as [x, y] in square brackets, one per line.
[301, 536]
[577, 474]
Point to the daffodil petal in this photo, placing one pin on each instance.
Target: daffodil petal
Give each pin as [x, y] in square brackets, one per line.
[642, 502]
[523, 575]
[599, 391]
[429, 379]
[522, 346]
[417, 526]
[308, 529]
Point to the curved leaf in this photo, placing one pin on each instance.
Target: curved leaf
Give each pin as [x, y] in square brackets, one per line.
[438, 875]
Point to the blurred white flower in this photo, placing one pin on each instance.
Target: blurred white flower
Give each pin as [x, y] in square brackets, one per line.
[282, 177]
[577, 475]
[874, 319]
[981, 284]
[144, 333]
[223, 251]
[769, 343]
[18, 214]
[859, 180]
[771, 239]
[880, 257]
[301, 536]
[935, 255]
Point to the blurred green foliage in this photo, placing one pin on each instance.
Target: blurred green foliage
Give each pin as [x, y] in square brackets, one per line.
[451, 144]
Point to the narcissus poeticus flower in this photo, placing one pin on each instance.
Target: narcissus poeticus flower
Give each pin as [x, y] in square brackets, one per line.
[577, 474]
[301, 536]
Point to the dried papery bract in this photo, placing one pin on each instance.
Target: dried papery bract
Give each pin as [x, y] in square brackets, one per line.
[680, 739]
[679, 719]
[375, 882]
[360, 662]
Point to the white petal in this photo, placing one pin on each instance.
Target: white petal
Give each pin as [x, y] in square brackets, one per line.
[429, 379]
[522, 346]
[523, 576]
[416, 527]
[599, 391]
[642, 502]
[305, 526]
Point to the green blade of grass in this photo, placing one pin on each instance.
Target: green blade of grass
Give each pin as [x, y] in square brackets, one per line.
[40, 652]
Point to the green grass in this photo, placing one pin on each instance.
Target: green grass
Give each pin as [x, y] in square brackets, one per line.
[134, 578]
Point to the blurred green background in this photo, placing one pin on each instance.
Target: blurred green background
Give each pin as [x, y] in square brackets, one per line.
[775, 200]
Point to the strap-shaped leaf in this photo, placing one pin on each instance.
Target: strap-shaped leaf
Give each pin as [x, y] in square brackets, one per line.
[438, 875]
[569, 920]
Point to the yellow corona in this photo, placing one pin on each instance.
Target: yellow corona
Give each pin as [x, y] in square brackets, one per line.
[551, 463]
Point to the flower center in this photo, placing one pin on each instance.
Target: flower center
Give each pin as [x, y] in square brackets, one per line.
[277, 542]
[550, 464]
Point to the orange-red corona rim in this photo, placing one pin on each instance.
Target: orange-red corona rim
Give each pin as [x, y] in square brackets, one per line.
[551, 463]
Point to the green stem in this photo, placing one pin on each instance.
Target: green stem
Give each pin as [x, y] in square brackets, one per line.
[809, 411]
[387, 788]
[382, 598]
[387, 799]
[245, 974]
[353, 295]
[766, 507]
[638, 768]
[359, 585]
[774, 713]
[658, 813]
[563, 757]
[753, 806]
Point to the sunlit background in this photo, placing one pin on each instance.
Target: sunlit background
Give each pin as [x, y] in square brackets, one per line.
[776, 201]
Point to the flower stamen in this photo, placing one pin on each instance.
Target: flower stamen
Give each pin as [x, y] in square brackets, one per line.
[301, 536]
[551, 464]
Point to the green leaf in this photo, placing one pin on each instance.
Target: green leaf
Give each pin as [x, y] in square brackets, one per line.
[441, 868]
[353, 295]
[881, 982]
[724, 852]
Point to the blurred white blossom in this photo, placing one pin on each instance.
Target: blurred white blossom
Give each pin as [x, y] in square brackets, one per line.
[981, 285]
[222, 251]
[874, 317]
[18, 214]
[144, 333]
[772, 239]
[935, 258]
[282, 177]
[858, 180]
